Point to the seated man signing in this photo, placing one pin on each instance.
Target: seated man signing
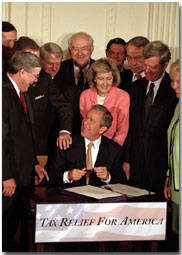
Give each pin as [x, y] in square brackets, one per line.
[69, 167]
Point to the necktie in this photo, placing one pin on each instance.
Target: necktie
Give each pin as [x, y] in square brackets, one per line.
[138, 76]
[88, 163]
[80, 83]
[149, 100]
[22, 99]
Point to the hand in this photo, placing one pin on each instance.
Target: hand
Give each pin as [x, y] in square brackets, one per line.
[76, 174]
[126, 169]
[101, 172]
[64, 140]
[167, 189]
[41, 173]
[9, 187]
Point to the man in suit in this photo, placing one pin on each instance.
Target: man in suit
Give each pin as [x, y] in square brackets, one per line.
[134, 56]
[115, 49]
[71, 79]
[151, 108]
[52, 113]
[9, 36]
[68, 168]
[19, 163]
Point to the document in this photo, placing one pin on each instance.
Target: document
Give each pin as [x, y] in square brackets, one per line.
[127, 190]
[96, 193]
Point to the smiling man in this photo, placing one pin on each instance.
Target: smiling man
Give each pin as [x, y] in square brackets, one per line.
[151, 108]
[51, 55]
[52, 113]
[68, 168]
[19, 164]
[71, 79]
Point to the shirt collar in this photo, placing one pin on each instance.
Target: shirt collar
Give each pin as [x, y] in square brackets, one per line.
[96, 142]
[77, 69]
[14, 85]
[157, 83]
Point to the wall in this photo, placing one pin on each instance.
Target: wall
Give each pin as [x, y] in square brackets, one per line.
[56, 21]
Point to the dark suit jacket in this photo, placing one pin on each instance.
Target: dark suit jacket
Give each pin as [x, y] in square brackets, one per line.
[65, 81]
[146, 144]
[126, 79]
[18, 156]
[109, 155]
[52, 113]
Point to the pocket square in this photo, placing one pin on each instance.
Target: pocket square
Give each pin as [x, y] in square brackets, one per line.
[38, 97]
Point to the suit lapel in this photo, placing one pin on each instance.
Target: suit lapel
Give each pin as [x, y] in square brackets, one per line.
[81, 154]
[71, 73]
[141, 98]
[29, 108]
[102, 154]
[16, 98]
[160, 101]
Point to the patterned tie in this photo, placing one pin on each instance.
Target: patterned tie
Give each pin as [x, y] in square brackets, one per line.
[149, 100]
[80, 83]
[22, 99]
[88, 163]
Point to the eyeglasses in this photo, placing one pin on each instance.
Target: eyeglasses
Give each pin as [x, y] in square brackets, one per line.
[53, 64]
[36, 76]
[82, 49]
[137, 58]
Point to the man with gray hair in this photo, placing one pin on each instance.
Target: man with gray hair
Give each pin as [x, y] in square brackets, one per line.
[19, 163]
[52, 113]
[51, 55]
[151, 108]
[72, 75]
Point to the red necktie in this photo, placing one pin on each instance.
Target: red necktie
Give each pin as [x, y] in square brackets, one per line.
[22, 98]
[138, 76]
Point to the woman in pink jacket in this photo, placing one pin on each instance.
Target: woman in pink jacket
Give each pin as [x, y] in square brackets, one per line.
[103, 78]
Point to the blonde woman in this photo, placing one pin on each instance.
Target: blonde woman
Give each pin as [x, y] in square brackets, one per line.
[171, 188]
[103, 78]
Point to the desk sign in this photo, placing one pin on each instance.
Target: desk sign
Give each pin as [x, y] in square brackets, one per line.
[100, 222]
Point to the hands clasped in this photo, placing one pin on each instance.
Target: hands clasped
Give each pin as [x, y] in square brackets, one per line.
[76, 174]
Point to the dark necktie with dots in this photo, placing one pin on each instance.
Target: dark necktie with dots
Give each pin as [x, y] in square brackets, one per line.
[80, 83]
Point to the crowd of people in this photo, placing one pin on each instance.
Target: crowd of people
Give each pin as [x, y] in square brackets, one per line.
[127, 118]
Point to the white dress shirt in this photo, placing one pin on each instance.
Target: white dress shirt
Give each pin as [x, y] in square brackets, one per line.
[94, 152]
[14, 85]
[157, 85]
[77, 71]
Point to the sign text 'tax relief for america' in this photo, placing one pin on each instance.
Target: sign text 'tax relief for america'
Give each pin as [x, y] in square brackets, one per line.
[100, 222]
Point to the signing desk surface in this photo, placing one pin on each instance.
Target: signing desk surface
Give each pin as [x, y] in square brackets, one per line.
[44, 195]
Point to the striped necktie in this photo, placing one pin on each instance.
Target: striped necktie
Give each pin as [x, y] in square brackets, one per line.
[88, 163]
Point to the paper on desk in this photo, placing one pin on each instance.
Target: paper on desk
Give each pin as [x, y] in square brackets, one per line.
[92, 191]
[127, 190]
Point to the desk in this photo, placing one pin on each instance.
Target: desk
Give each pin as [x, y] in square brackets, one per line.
[44, 195]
